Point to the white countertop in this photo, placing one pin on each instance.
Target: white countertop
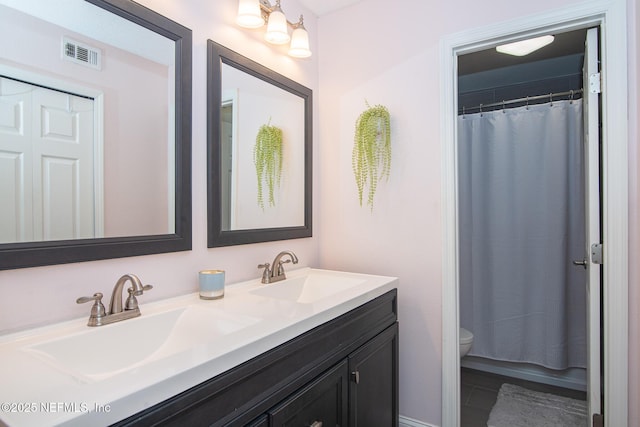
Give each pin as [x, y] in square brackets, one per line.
[36, 393]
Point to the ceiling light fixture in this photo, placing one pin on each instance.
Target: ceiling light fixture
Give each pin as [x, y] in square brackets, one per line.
[255, 13]
[525, 47]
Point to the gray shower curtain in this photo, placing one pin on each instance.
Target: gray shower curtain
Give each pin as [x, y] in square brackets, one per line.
[521, 223]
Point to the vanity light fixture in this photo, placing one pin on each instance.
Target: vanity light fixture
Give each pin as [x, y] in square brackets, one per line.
[255, 13]
[525, 47]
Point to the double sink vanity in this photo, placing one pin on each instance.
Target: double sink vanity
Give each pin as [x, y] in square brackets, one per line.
[319, 347]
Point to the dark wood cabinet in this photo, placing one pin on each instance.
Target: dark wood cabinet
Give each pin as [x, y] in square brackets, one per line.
[341, 373]
[262, 421]
[373, 392]
[322, 403]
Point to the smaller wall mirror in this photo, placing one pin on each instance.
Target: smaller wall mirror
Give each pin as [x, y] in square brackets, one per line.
[242, 97]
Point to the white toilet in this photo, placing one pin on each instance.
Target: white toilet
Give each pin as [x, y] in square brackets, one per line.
[466, 339]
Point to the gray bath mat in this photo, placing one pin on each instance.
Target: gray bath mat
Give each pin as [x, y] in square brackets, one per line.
[519, 407]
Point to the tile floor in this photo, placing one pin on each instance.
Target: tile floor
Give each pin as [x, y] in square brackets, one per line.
[479, 391]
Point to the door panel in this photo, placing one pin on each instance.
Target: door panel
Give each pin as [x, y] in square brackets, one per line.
[373, 399]
[15, 160]
[63, 165]
[321, 403]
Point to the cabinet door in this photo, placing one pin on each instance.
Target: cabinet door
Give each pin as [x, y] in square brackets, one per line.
[373, 389]
[323, 403]
[262, 421]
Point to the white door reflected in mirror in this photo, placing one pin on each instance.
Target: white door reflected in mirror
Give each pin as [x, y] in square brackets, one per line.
[49, 185]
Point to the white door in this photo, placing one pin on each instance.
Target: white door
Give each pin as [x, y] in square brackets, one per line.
[16, 157]
[591, 85]
[63, 165]
[52, 144]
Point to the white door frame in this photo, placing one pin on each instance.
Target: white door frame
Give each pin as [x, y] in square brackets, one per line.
[610, 15]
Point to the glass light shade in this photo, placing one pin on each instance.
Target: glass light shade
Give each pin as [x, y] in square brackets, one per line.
[299, 47]
[249, 15]
[525, 47]
[277, 32]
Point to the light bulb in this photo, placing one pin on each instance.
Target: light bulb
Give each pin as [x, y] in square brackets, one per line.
[299, 47]
[277, 32]
[249, 15]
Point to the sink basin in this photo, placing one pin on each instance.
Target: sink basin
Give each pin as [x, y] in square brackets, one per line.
[309, 288]
[102, 352]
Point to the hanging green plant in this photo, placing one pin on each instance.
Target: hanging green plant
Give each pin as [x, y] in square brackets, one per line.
[267, 157]
[371, 157]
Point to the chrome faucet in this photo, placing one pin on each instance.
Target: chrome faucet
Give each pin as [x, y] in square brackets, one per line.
[275, 272]
[100, 317]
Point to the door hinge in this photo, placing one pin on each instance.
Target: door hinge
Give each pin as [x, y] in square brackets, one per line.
[596, 253]
[355, 377]
[595, 85]
[598, 420]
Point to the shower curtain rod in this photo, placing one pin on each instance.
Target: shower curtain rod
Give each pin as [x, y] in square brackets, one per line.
[526, 100]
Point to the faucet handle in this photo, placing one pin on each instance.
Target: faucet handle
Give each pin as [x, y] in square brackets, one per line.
[281, 268]
[266, 272]
[97, 297]
[132, 301]
[97, 310]
[140, 290]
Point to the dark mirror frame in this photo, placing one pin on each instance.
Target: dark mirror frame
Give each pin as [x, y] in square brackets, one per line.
[32, 254]
[216, 56]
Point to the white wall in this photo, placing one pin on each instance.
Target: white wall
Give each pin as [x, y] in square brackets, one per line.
[388, 54]
[37, 296]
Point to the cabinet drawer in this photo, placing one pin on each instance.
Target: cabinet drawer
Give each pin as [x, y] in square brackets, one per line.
[322, 403]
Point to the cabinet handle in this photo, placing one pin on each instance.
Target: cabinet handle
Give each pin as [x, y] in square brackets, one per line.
[355, 376]
[316, 424]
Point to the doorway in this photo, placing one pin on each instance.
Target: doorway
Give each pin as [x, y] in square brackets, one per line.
[521, 197]
[610, 16]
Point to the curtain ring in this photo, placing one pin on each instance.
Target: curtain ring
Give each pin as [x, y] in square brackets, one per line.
[527, 102]
[551, 99]
[571, 102]
[480, 110]
[503, 107]
[463, 110]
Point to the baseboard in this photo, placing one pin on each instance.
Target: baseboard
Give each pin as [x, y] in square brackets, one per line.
[409, 422]
[573, 378]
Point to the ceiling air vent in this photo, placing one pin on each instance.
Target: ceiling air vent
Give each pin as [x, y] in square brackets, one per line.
[81, 53]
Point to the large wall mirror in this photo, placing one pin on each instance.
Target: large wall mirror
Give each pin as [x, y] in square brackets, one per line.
[243, 96]
[95, 132]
